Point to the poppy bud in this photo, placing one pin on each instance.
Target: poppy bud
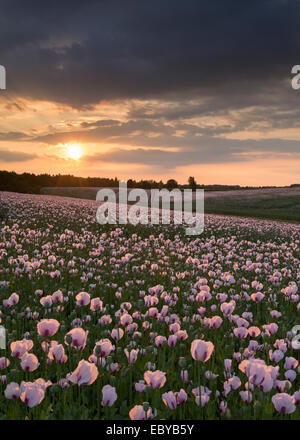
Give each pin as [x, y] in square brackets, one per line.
[182, 362]
[146, 406]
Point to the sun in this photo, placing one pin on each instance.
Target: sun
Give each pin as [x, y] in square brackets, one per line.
[74, 151]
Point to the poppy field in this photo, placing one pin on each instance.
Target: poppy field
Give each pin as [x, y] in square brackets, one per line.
[144, 322]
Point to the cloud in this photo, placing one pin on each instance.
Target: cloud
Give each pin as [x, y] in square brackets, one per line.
[210, 80]
[100, 50]
[210, 152]
[13, 136]
[210, 143]
[16, 156]
[161, 158]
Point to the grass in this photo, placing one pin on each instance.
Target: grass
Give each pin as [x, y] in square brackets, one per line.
[273, 204]
[274, 207]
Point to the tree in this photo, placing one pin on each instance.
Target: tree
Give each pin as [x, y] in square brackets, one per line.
[192, 182]
[171, 183]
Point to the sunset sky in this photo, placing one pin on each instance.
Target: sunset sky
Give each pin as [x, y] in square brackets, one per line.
[152, 89]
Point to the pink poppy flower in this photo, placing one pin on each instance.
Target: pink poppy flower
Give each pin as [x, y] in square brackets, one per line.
[290, 363]
[172, 340]
[138, 413]
[283, 385]
[276, 356]
[12, 391]
[290, 375]
[131, 355]
[216, 322]
[201, 350]
[13, 299]
[254, 331]
[170, 400]
[223, 407]
[155, 379]
[181, 396]
[32, 393]
[174, 328]
[227, 308]
[109, 395]
[4, 363]
[257, 297]
[19, 348]
[267, 383]
[181, 335]
[140, 386]
[57, 353]
[46, 301]
[47, 327]
[78, 336]
[271, 329]
[240, 332]
[202, 400]
[117, 334]
[284, 403]
[296, 396]
[57, 297]
[125, 319]
[85, 374]
[246, 396]
[227, 365]
[29, 362]
[103, 348]
[96, 304]
[159, 340]
[184, 376]
[83, 299]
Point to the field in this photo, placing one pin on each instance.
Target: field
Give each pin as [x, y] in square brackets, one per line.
[272, 203]
[110, 322]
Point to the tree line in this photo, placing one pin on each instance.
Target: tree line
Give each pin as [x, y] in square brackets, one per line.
[32, 183]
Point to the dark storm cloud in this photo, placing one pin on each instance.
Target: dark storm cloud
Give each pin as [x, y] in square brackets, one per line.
[15, 156]
[82, 52]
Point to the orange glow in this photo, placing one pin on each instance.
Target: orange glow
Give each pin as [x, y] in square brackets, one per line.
[74, 151]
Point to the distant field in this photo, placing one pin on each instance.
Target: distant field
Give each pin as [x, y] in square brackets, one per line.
[81, 193]
[273, 203]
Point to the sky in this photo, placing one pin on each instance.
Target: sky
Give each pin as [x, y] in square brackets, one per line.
[152, 89]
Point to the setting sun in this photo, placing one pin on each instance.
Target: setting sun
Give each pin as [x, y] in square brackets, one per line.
[74, 151]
